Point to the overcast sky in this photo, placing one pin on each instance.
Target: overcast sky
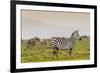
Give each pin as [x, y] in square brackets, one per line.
[46, 24]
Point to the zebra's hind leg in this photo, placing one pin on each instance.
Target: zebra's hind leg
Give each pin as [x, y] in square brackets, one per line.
[70, 51]
[55, 52]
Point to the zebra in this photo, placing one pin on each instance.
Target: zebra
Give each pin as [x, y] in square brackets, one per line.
[32, 42]
[64, 43]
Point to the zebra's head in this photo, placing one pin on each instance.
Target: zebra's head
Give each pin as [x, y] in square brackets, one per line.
[75, 35]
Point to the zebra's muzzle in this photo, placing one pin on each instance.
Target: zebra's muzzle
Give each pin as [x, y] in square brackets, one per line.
[80, 39]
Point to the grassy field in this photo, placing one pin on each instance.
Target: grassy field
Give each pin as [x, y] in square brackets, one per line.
[43, 53]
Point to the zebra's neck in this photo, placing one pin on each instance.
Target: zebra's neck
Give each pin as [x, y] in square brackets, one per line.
[73, 40]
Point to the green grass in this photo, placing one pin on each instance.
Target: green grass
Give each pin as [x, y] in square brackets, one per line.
[81, 51]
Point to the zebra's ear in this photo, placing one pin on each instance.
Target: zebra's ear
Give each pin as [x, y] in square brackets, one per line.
[77, 30]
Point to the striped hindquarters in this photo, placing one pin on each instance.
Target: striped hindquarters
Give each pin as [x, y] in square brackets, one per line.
[61, 43]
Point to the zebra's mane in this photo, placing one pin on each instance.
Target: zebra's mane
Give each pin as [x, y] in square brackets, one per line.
[76, 31]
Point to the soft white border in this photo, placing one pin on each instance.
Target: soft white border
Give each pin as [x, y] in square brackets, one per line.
[20, 65]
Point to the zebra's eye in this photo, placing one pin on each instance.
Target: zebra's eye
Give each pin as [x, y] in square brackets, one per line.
[78, 34]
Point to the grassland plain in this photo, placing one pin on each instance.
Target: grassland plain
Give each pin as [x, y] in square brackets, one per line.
[38, 53]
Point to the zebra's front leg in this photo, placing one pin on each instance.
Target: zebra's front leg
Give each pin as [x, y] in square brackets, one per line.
[70, 51]
[28, 46]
